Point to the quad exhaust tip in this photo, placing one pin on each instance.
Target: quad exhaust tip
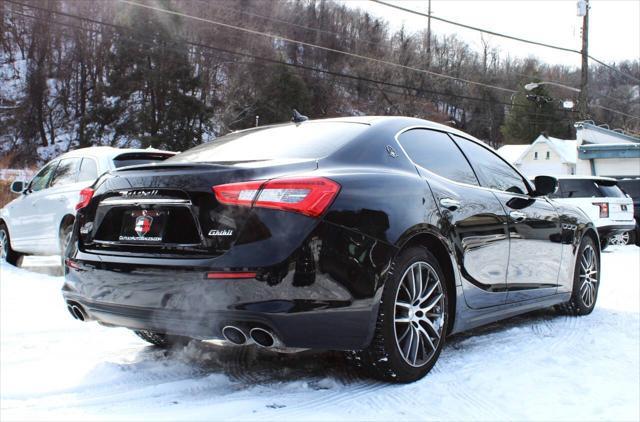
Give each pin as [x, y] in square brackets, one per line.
[234, 335]
[77, 311]
[262, 337]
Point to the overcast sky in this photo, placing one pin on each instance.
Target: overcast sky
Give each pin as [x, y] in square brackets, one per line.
[614, 25]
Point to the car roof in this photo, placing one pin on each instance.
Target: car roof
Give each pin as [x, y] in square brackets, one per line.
[577, 177]
[109, 152]
[375, 120]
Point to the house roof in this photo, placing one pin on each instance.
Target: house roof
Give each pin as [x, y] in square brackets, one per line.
[512, 153]
[567, 149]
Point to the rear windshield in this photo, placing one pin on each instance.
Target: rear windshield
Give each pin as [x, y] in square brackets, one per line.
[309, 140]
[587, 188]
[136, 158]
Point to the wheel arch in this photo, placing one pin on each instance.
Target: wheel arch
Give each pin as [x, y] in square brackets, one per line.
[593, 234]
[67, 220]
[4, 223]
[438, 247]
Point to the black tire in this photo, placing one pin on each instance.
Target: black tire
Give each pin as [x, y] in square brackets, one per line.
[384, 359]
[581, 304]
[7, 253]
[64, 238]
[604, 243]
[161, 340]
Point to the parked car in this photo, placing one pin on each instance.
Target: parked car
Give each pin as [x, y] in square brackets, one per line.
[39, 221]
[602, 200]
[631, 186]
[378, 236]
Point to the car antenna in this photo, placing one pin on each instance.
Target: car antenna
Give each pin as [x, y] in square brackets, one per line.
[297, 117]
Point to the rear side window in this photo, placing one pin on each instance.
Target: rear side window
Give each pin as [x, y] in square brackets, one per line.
[436, 152]
[309, 140]
[139, 158]
[492, 170]
[587, 188]
[88, 170]
[66, 172]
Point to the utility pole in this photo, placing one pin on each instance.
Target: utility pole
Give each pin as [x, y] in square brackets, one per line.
[583, 10]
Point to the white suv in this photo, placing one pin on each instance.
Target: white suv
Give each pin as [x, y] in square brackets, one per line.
[602, 200]
[39, 221]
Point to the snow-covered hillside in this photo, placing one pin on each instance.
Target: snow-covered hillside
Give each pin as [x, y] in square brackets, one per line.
[539, 366]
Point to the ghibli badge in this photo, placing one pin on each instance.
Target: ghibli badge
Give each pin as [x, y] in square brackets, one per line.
[220, 232]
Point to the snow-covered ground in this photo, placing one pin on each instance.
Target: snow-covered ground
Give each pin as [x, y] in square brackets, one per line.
[540, 366]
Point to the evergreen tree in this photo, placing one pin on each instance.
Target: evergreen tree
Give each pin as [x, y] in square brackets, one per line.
[152, 89]
[533, 113]
[283, 91]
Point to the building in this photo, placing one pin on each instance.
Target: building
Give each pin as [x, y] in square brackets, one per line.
[606, 152]
[597, 151]
[546, 155]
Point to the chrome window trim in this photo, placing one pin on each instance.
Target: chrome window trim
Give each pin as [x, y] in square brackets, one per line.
[397, 135]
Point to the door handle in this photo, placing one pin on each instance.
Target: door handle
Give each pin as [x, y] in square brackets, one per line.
[517, 216]
[450, 203]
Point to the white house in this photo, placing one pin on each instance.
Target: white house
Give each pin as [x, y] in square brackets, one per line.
[546, 155]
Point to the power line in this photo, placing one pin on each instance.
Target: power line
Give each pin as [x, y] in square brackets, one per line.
[332, 50]
[274, 61]
[276, 37]
[498, 34]
[309, 68]
[313, 29]
[282, 21]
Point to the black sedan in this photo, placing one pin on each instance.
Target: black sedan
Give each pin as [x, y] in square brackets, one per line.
[378, 236]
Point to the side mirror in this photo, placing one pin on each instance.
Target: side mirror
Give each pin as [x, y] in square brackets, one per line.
[17, 186]
[545, 185]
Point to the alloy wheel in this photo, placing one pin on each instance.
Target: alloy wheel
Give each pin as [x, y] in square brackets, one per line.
[4, 245]
[588, 276]
[620, 239]
[419, 314]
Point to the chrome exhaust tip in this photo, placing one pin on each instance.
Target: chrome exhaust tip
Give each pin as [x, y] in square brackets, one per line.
[77, 311]
[262, 337]
[234, 335]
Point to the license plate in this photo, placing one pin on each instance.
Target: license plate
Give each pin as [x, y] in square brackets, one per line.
[145, 226]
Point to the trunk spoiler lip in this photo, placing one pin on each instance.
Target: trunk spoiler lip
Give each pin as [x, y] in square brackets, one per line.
[213, 165]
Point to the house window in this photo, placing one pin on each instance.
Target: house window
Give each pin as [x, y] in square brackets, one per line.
[548, 155]
[535, 155]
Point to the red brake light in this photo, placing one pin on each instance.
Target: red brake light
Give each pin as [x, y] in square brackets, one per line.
[85, 197]
[306, 195]
[237, 193]
[604, 209]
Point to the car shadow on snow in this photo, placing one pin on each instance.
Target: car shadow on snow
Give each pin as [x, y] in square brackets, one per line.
[252, 365]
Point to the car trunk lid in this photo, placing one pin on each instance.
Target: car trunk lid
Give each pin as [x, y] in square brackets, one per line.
[171, 210]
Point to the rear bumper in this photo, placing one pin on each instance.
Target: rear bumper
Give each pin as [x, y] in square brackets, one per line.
[328, 328]
[323, 296]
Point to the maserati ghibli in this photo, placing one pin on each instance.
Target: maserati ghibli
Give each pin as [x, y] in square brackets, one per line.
[376, 236]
